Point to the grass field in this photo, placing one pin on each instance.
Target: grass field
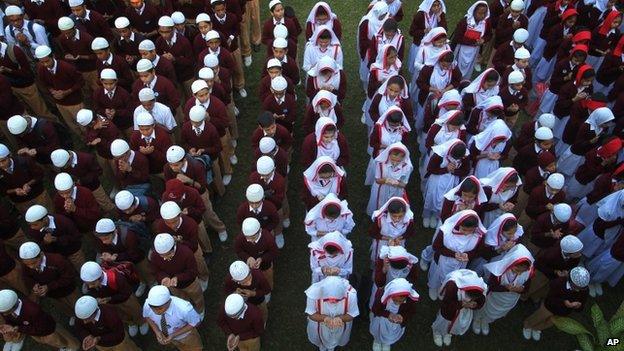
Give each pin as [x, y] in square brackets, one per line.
[286, 328]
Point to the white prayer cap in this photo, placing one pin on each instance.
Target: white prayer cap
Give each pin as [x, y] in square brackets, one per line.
[547, 120]
[73, 3]
[144, 119]
[144, 65]
[273, 63]
[211, 60]
[29, 250]
[562, 212]
[165, 21]
[273, 3]
[205, 73]
[254, 193]
[279, 83]
[65, 23]
[267, 144]
[202, 17]
[522, 54]
[234, 303]
[17, 124]
[175, 153]
[42, 51]
[178, 17]
[147, 45]
[520, 35]
[265, 165]
[163, 243]
[59, 157]
[213, 34]
[90, 272]
[280, 31]
[158, 296]
[543, 133]
[250, 226]
[63, 182]
[517, 5]
[4, 151]
[280, 43]
[8, 299]
[239, 270]
[119, 147]
[170, 210]
[35, 213]
[146, 94]
[197, 113]
[198, 85]
[84, 116]
[99, 43]
[13, 10]
[105, 226]
[571, 244]
[108, 73]
[579, 276]
[122, 22]
[555, 181]
[85, 307]
[124, 200]
[515, 77]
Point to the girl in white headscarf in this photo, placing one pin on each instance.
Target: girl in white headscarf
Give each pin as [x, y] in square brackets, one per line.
[392, 169]
[325, 141]
[489, 148]
[471, 33]
[329, 215]
[501, 236]
[431, 14]
[393, 92]
[392, 127]
[600, 235]
[323, 42]
[395, 8]
[448, 126]
[393, 262]
[485, 86]
[484, 114]
[368, 27]
[502, 187]
[322, 178]
[331, 307]
[433, 43]
[331, 255]
[450, 101]
[326, 75]
[322, 15]
[386, 65]
[324, 104]
[392, 224]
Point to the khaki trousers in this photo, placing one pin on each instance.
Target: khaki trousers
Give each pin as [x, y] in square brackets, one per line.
[203, 238]
[249, 344]
[250, 27]
[210, 216]
[192, 293]
[14, 279]
[43, 199]
[32, 98]
[192, 342]
[233, 120]
[104, 200]
[77, 259]
[69, 117]
[130, 311]
[538, 288]
[202, 270]
[126, 345]
[217, 178]
[268, 274]
[238, 76]
[60, 338]
[146, 273]
[92, 81]
[226, 152]
[540, 319]
[107, 168]
[12, 244]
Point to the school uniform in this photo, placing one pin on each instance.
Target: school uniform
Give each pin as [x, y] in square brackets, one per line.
[147, 207]
[129, 47]
[267, 215]
[179, 314]
[286, 106]
[87, 211]
[80, 44]
[217, 111]
[116, 288]
[264, 87]
[106, 327]
[41, 135]
[249, 327]
[383, 330]
[119, 64]
[94, 22]
[165, 91]
[313, 87]
[182, 51]
[144, 19]
[282, 137]
[384, 227]
[560, 290]
[311, 116]
[280, 158]
[313, 150]
[269, 25]
[258, 283]
[160, 139]
[119, 100]
[453, 318]
[548, 261]
[527, 157]
[48, 11]
[289, 67]
[68, 239]
[138, 176]
[504, 27]
[466, 48]
[264, 248]
[24, 170]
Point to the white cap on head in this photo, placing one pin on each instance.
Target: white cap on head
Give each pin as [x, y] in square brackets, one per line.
[250, 226]
[517, 5]
[273, 3]
[99, 43]
[273, 63]
[166, 21]
[122, 22]
[163, 243]
[85, 307]
[555, 181]
[580, 276]
[84, 116]
[35, 213]
[63, 181]
[42, 51]
[144, 119]
[170, 210]
[515, 77]
[17, 124]
[124, 200]
[254, 193]
[212, 34]
[202, 17]
[108, 73]
[146, 94]
[178, 17]
[8, 300]
[4, 151]
[522, 54]
[280, 43]
[90, 272]
[59, 157]
[239, 270]
[198, 85]
[144, 65]
[158, 296]
[73, 3]
[65, 23]
[571, 244]
[280, 31]
[267, 144]
[234, 303]
[175, 153]
[265, 165]
[547, 120]
[205, 73]
[29, 250]
[521, 35]
[119, 147]
[543, 133]
[13, 10]
[562, 212]
[197, 113]
[279, 83]
[147, 45]
[105, 226]
[211, 60]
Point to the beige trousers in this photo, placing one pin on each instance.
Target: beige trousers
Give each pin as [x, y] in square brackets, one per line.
[69, 117]
[192, 293]
[268, 274]
[130, 311]
[238, 76]
[126, 345]
[77, 259]
[217, 178]
[192, 342]
[249, 344]
[540, 319]
[233, 120]
[104, 200]
[250, 27]
[92, 83]
[13, 244]
[204, 239]
[32, 98]
[226, 152]
[202, 269]
[60, 338]
[210, 216]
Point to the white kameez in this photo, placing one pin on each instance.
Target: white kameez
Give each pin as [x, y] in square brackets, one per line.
[320, 259]
[586, 213]
[439, 184]
[569, 162]
[495, 239]
[609, 209]
[380, 193]
[496, 180]
[313, 51]
[374, 25]
[426, 55]
[467, 55]
[381, 328]
[320, 187]
[605, 268]
[498, 132]
[547, 104]
[315, 220]
[431, 22]
[389, 228]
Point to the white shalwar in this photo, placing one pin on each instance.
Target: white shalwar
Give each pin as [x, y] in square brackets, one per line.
[497, 132]
[609, 210]
[605, 268]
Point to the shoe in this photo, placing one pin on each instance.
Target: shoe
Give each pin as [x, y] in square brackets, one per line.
[599, 291]
[385, 347]
[242, 92]
[426, 221]
[478, 67]
[536, 335]
[203, 284]
[233, 160]
[376, 346]
[279, 240]
[433, 222]
[227, 179]
[437, 340]
[424, 265]
[17, 346]
[236, 111]
[144, 329]
[223, 236]
[433, 294]
[485, 327]
[447, 339]
[140, 290]
[248, 60]
[286, 223]
[133, 330]
[234, 144]
[72, 321]
[363, 119]
[592, 290]
[476, 326]
[526, 333]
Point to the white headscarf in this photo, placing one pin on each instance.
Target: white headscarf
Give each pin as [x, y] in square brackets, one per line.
[497, 179]
[427, 52]
[383, 220]
[404, 93]
[318, 31]
[611, 207]
[515, 255]
[317, 248]
[380, 65]
[456, 241]
[386, 136]
[455, 193]
[312, 15]
[471, 21]
[311, 178]
[598, 117]
[425, 6]
[440, 77]
[397, 253]
[494, 236]
[491, 103]
[317, 211]
[476, 87]
[331, 287]
[384, 157]
[399, 287]
[450, 96]
[331, 98]
[374, 23]
[464, 279]
[393, 7]
[496, 130]
[442, 150]
[332, 149]
[326, 62]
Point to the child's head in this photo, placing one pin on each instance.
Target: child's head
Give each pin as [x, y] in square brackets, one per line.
[324, 39]
[446, 60]
[509, 228]
[458, 151]
[395, 86]
[587, 77]
[326, 171]
[331, 211]
[468, 225]
[521, 266]
[480, 12]
[277, 9]
[468, 190]
[390, 28]
[332, 249]
[266, 121]
[397, 210]
[455, 122]
[578, 57]
[491, 79]
[511, 182]
[394, 120]
[328, 134]
[321, 16]
[396, 156]
[391, 56]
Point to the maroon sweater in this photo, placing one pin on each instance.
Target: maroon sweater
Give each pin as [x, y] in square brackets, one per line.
[24, 170]
[217, 111]
[80, 46]
[86, 172]
[264, 87]
[564, 103]
[33, 320]
[182, 266]
[288, 108]
[129, 47]
[226, 59]
[121, 67]
[542, 225]
[275, 191]
[41, 137]
[139, 173]
[265, 249]
[268, 26]
[280, 157]
[182, 51]
[559, 292]
[187, 230]
[58, 274]
[21, 75]
[7, 263]
[10, 221]
[578, 115]
[610, 69]
[192, 203]
[538, 201]
[404, 104]
[418, 26]
[158, 158]
[121, 102]
[149, 211]
[289, 67]
[528, 77]
[12, 105]
[268, 216]
[551, 259]
[145, 22]
[117, 288]
[68, 238]
[282, 137]
[259, 284]
[207, 140]
[166, 91]
[592, 167]
[195, 170]
[450, 305]
[165, 68]
[505, 29]
[106, 327]
[66, 77]
[251, 326]
[87, 211]
[96, 25]
[230, 26]
[127, 246]
[49, 12]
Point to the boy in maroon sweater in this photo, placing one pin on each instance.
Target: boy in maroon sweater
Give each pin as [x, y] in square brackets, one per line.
[281, 104]
[256, 247]
[256, 206]
[116, 62]
[95, 21]
[163, 87]
[152, 141]
[544, 196]
[76, 47]
[228, 25]
[267, 127]
[143, 17]
[241, 322]
[76, 202]
[21, 180]
[177, 49]
[131, 168]
[249, 283]
[268, 147]
[36, 137]
[127, 46]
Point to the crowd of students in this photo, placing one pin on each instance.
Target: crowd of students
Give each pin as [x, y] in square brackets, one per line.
[142, 96]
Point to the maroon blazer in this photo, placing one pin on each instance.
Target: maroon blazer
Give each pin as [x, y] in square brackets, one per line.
[612, 66]
[149, 212]
[208, 140]
[21, 75]
[195, 170]
[226, 59]
[505, 29]
[80, 46]
[259, 284]
[121, 67]
[182, 265]
[68, 238]
[182, 51]
[564, 103]
[87, 170]
[268, 216]
[217, 111]
[526, 158]
[106, 328]
[129, 47]
[138, 175]
[532, 179]
[265, 248]
[268, 26]
[49, 12]
[289, 68]
[158, 158]
[58, 274]
[118, 289]
[563, 73]
[87, 211]
[264, 87]
[288, 108]
[311, 148]
[592, 167]
[251, 326]
[275, 191]
[66, 77]
[25, 170]
[230, 27]
[122, 103]
[192, 203]
[33, 320]
[538, 201]
[520, 98]
[559, 292]
[528, 77]
[43, 138]
[549, 260]
[127, 246]
[96, 25]
[542, 225]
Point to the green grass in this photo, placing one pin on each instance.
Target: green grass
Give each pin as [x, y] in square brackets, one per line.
[286, 328]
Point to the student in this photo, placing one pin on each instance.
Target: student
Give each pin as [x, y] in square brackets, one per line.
[242, 323]
[112, 101]
[393, 92]
[501, 188]
[527, 131]
[606, 267]
[140, 210]
[256, 247]
[130, 167]
[23, 185]
[274, 69]
[326, 75]
[484, 114]
[431, 14]
[268, 127]
[323, 42]
[326, 141]
[329, 215]
[606, 184]
[604, 37]
[76, 43]
[600, 159]
[322, 178]
[268, 147]
[433, 43]
[501, 236]
[324, 104]
[385, 65]
[106, 59]
[278, 18]
[477, 31]
[449, 125]
[510, 21]
[274, 185]
[281, 53]
[600, 235]
[562, 28]
[388, 35]
[151, 140]
[162, 86]
[281, 103]
[544, 196]
[467, 195]
[322, 15]
[392, 263]
[485, 86]
[226, 22]
[393, 224]
[36, 137]
[392, 127]
[368, 27]
[250, 284]
[162, 66]
[549, 227]
[331, 255]
[260, 208]
[450, 101]
[519, 63]
[543, 141]
[392, 169]
[579, 113]
[610, 69]
[515, 97]
[76, 203]
[489, 148]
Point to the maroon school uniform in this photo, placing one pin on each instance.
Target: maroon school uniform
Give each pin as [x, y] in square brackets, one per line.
[11, 104]
[129, 47]
[86, 172]
[310, 145]
[462, 27]
[431, 134]
[312, 88]
[264, 248]
[146, 20]
[195, 170]
[527, 158]
[494, 285]
[375, 139]
[105, 328]
[451, 305]
[269, 25]
[229, 27]
[182, 51]
[559, 293]
[24, 170]
[117, 288]
[68, 238]
[42, 137]
[118, 64]
[187, 230]
[182, 266]
[95, 25]
[80, 46]
[542, 226]
[289, 67]
[533, 178]
[310, 201]
[504, 56]
[65, 77]
[424, 81]
[249, 327]
[592, 167]
[381, 278]
[406, 310]
[282, 137]
[510, 97]
[192, 202]
[21, 75]
[505, 29]
[292, 47]
[418, 26]
[603, 186]
[610, 69]
[280, 157]
[58, 275]
[538, 199]
[267, 215]
[121, 102]
[563, 73]
[404, 104]
[564, 103]
[526, 135]
[138, 175]
[164, 89]
[126, 246]
[258, 283]
[433, 167]
[226, 59]
[554, 38]
[474, 153]
[487, 207]
[601, 42]
[32, 320]
[48, 11]
[9, 222]
[264, 87]
[551, 259]
[375, 44]
[208, 139]
[287, 107]
[274, 191]
[87, 211]
[310, 118]
[147, 207]
[161, 142]
[217, 111]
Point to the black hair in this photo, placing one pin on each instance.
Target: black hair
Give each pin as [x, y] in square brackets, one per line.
[458, 151]
[457, 120]
[395, 117]
[390, 25]
[396, 80]
[470, 222]
[326, 168]
[266, 119]
[397, 206]
[400, 264]
[579, 54]
[513, 178]
[469, 186]
[588, 74]
[496, 111]
[325, 34]
[492, 75]
[473, 294]
[332, 210]
[448, 57]
[509, 224]
[321, 11]
[331, 249]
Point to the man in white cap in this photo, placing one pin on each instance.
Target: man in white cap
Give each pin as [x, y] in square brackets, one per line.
[281, 103]
[226, 60]
[515, 97]
[36, 137]
[160, 112]
[543, 140]
[131, 168]
[23, 317]
[76, 44]
[172, 319]
[64, 82]
[151, 140]
[175, 267]
[226, 21]
[273, 70]
[177, 49]
[113, 287]
[528, 129]
[92, 21]
[268, 147]
[278, 18]
[242, 323]
[127, 46]
[55, 233]
[550, 226]
[204, 25]
[143, 17]
[182, 27]
[514, 20]
[162, 66]
[288, 64]
[24, 33]
[137, 210]
[98, 326]
[274, 185]
[113, 108]
[76, 202]
[264, 211]
[251, 284]
[163, 87]
[106, 59]
[256, 247]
